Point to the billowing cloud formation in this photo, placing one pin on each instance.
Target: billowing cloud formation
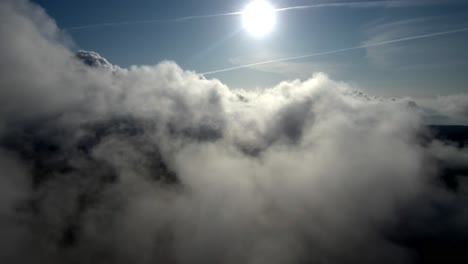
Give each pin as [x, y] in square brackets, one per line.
[160, 165]
[92, 58]
[450, 105]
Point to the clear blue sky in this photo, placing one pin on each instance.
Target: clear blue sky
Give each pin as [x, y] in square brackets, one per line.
[422, 67]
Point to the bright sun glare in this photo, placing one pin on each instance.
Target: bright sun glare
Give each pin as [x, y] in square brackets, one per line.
[259, 18]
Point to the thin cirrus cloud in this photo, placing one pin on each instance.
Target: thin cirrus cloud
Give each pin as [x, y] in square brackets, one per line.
[357, 4]
[154, 164]
[364, 46]
[414, 55]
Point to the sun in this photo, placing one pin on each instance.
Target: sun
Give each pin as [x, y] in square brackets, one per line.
[259, 18]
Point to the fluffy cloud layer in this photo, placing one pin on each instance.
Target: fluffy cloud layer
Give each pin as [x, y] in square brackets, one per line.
[155, 164]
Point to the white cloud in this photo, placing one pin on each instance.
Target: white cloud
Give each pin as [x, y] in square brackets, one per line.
[92, 58]
[449, 108]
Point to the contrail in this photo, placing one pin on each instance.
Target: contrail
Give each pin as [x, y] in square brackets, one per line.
[149, 21]
[366, 4]
[188, 18]
[340, 50]
[344, 4]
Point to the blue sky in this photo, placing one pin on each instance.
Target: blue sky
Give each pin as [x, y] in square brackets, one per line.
[420, 68]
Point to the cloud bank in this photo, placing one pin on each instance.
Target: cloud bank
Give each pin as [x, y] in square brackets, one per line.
[154, 164]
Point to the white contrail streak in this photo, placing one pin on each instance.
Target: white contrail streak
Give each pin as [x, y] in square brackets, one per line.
[393, 3]
[149, 21]
[340, 50]
[344, 4]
